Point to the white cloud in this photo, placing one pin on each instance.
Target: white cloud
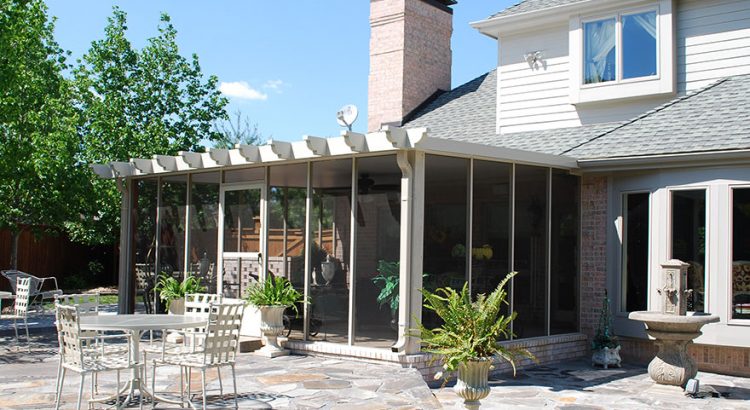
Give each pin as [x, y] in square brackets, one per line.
[275, 85]
[241, 90]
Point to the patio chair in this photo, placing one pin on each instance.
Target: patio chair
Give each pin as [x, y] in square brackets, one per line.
[37, 292]
[21, 307]
[76, 355]
[144, 281]
[220, 347]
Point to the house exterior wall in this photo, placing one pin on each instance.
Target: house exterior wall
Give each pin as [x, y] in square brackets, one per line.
[712, 41]
[593, 250]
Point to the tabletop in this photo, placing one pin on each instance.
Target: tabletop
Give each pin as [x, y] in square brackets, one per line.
[5, 295]
[140, 322]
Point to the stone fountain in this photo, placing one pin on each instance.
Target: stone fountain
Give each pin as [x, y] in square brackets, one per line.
[672, 329]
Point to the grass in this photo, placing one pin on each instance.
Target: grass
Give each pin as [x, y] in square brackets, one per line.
[103, 300]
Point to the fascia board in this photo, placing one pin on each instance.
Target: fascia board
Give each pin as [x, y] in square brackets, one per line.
[692, 159]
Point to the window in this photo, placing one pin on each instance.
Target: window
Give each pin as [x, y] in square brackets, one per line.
[637, 40]
[622, 54]
[689, 241]
[635, 225]
[740, 253]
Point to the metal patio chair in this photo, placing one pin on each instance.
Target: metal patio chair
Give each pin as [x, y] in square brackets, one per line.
[220, 347]
[21, 307]
[77, 356]
[40, 289]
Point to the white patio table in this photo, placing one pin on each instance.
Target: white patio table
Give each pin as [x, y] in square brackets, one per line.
[137, 325]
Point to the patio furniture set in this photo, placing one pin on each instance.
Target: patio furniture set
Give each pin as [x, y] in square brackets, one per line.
[205, 337]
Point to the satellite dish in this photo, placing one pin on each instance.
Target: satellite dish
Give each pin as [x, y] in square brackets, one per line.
[347, 115]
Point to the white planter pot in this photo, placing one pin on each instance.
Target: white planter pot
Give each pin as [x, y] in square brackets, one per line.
[606, 357]
[177, 307]
[328, 270]
[271, 325]
[472, 380]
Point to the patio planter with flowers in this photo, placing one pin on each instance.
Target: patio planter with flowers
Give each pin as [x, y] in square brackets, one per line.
[272, 297]
[466, 342]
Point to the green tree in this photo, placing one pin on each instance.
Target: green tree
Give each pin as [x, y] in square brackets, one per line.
[39, 172]
[134, 104]
[238, 130]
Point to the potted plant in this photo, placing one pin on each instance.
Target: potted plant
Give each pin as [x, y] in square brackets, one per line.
[387, 281]
[467, 341]
[272, 296]
[605, 347]
[172, 292]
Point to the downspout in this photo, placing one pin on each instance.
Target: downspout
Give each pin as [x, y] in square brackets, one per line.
[405, 254]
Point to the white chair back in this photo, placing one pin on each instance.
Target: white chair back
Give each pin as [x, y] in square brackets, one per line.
[199, 304]
[223, 333]
[71, 348]
[88, 303]
[23, 296]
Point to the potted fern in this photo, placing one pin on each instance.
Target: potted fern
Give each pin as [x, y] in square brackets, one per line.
[387, 281]
[467, 341]
[272, 296]
[172, 292]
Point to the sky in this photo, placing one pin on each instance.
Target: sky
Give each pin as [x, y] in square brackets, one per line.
[287, 65]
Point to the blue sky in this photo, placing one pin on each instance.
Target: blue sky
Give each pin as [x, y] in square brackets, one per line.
[290, 65]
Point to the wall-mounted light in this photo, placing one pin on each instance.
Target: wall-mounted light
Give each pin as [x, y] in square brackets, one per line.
[534, 58]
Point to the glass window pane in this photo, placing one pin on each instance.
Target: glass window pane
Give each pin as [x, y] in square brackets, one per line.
[599, 56]
[689, 241]
[172, 226]
[740, 253]
[564, 253]
[204, 228]
[378, 234]
[491, 226]
[242, 220]
[639, 45]
[286, 233]
[331, 220]
[635, 252]
[144, 243]
[445, 226]
[530, 258]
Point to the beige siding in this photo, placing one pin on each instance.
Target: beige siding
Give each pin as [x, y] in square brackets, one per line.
[712, 41]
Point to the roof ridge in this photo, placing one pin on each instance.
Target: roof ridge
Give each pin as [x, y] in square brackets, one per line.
[651, 112]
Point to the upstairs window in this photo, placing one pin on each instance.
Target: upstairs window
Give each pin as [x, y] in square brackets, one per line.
[637, 39]
[622, 54]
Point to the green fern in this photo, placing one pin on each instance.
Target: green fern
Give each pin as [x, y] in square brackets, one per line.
[170, 289]
[470, 330]
[273, 292]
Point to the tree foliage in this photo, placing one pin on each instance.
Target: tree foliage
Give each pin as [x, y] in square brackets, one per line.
[237, 130]
[135, 104]
[40, 171]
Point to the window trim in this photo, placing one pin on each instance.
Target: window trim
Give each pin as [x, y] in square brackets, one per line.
[621, 310]
[664, 82]
[730, 275]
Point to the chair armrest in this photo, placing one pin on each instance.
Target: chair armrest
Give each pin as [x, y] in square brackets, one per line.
[50, 278]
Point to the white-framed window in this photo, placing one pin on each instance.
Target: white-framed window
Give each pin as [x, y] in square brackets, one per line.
[636, 225]
[739, 279]
[622, 53]
[687, 233]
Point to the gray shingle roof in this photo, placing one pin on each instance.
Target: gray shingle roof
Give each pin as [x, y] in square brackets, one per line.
[714, 118]
[463, 113]
[526, 6]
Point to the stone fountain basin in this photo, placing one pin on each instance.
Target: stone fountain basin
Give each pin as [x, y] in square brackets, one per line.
[663, 322]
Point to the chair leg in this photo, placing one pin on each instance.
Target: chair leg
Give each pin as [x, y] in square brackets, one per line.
[221, 386]
[203, 386]
[189, 372]
[182, 386]
[28, 339]
[80, 391]
[59, 389]
[57, 384]
[234, 383]
[153, 382]
[15, 328]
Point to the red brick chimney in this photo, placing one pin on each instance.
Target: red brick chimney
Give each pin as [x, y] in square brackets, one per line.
[410, 56]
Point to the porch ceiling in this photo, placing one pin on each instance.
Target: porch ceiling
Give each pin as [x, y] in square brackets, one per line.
[389, 139]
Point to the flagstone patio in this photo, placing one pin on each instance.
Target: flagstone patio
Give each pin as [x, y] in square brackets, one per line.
[27, 381]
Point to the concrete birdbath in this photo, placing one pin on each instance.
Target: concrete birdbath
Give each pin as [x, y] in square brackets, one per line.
[672, 329]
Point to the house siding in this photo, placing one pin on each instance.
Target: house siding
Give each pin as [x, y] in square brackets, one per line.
[712, 42]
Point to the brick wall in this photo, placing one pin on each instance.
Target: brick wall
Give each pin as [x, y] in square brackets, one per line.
[410, 57]
[593, 250]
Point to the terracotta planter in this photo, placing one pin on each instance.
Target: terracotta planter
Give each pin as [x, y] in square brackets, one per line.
[472, 383]
[271, 325]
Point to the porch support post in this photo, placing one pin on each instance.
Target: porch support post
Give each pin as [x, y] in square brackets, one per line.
[410, 266]
[125, 282]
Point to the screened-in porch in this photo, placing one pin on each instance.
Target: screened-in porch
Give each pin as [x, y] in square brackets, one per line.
[346, 219]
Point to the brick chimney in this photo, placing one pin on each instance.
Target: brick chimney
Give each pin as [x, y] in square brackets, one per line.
[410, 56]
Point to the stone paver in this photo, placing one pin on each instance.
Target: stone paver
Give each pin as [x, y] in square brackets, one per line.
[577, 386]
[27, 381]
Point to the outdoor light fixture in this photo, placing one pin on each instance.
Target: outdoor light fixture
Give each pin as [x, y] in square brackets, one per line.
[692, 387]
[534, 58]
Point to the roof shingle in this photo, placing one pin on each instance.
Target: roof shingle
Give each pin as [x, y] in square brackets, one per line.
[526, 6]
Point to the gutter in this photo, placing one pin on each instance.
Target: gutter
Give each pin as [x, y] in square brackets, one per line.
[650, 162]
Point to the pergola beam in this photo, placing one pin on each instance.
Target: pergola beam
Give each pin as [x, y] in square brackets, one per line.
[318, 145]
